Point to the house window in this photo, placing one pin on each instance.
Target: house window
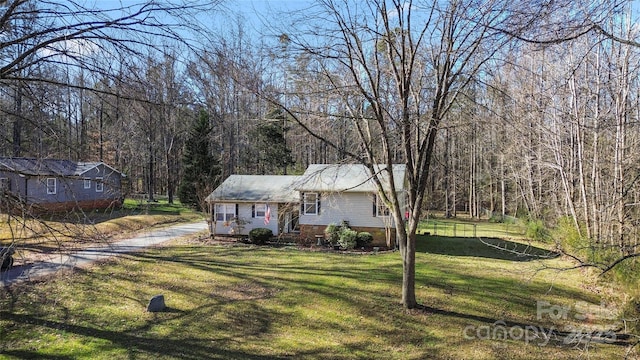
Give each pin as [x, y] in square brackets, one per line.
[99, 185]
[310, 203]
[261, 210]
[87, 183]
[4, 184]
[379, 207]
[51, 186]
[225, 212]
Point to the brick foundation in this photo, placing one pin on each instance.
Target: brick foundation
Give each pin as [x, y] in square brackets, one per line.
[309, 233]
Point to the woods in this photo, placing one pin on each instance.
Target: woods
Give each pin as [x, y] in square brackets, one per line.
[499, 108]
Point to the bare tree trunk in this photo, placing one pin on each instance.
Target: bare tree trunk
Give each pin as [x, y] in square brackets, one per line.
[100, 131]
[580, 161]
[447, 173]
[595, 167]
[151, 177]
[17, 121]
[473, 210]
[503, 199]
[620, 145]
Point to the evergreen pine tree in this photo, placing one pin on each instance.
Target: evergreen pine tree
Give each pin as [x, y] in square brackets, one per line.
[201, 170]
[273, 154]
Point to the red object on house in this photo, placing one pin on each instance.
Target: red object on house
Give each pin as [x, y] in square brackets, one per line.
[267, 215]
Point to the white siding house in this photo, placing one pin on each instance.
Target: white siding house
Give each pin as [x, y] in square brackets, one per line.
[245, 202]
[306, 204]
[331, 193]
[355, 208]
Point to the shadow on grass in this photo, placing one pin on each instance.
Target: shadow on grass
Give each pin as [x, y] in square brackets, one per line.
[542, 334]
[165, 346]
[249, 289]
[492, 248]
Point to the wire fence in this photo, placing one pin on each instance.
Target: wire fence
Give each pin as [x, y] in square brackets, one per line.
[467, 229]
[449, 229]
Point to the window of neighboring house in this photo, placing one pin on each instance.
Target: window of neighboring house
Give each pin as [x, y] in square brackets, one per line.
[99, 185]
[260, 210]
[51, 186]
[4, 184]
[225, 212]
[310, 203]
[87, 183]
[380, 208]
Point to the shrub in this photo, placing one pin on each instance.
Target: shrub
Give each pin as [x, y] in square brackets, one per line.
[537, 231]
[631, 311]
[347, 238]
[506, 219]
[363, 239]
[511, 220]
[260, 235]
[332, 233]
[569, 236]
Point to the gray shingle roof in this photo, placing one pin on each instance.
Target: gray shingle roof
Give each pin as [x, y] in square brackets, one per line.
[256, 188]
[317, 178]
[47, 167]
[346, 178]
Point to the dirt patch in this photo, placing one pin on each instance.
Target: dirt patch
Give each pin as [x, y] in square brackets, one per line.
[243, 291]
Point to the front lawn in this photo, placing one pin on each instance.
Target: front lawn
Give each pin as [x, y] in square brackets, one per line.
[247, 302]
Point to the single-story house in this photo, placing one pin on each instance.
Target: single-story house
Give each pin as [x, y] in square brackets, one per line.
[245, 202]
[325, 194]
[60, 185]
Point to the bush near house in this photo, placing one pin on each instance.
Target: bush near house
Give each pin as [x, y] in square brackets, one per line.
[363, 239]
[260, 236]
[332, 234]
[347, 238]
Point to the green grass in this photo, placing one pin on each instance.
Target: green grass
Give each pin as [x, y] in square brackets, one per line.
[247, 302]
[160, 207]
[460, 227]
[488, 247]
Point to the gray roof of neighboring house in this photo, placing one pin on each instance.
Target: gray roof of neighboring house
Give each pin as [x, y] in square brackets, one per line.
[48, 167]
[347, 178]
[254, 188]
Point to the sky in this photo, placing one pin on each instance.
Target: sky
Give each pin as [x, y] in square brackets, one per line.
[257, 12]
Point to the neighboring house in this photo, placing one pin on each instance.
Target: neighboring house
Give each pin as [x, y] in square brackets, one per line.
[59, 185]
[245, 202]
[306, 204]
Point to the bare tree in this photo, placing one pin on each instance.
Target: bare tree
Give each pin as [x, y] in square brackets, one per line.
[70, 36]
[68, 67]
[394, 70]
[586, 127]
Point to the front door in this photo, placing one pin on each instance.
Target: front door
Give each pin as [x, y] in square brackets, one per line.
[294, 221]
